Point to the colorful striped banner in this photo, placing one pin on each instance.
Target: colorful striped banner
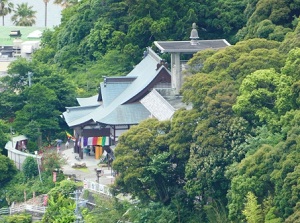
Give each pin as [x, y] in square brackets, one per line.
[95, 141]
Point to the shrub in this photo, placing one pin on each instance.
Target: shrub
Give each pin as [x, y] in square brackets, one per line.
[30, 167]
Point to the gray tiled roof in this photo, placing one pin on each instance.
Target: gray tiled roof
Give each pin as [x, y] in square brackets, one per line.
[88, 101]
[141, 82]
[116, 91]
[158, 106]
[111, 90]
[187, 47]
[77, 115]
[128, 114]
[162, 103]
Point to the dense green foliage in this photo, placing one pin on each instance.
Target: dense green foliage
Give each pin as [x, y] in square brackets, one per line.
[30, 167]
[243, 140]
[106, 210]
[233, 157]
[60, 205]
[7, 169]
[17, 218]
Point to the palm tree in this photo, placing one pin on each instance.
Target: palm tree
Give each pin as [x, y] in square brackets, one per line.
[66, 3]
[5, 8]
[46, 4]
[24, 15]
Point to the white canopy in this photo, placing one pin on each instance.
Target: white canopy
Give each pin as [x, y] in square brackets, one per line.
[35, 34]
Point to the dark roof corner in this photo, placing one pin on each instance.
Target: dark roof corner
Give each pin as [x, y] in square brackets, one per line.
[99, 94]
[162, 63]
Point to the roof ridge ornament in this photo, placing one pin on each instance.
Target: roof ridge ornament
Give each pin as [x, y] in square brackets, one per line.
[194, 35]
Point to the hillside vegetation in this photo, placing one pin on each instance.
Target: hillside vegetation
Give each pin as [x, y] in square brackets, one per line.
[233, 157]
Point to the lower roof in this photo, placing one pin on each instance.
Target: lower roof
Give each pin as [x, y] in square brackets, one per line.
[189, 46]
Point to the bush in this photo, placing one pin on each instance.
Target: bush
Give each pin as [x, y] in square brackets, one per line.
[19, 218]
[30, 167]
[7, 169]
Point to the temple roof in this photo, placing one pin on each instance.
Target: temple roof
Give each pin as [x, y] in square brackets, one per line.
[127, 114]
[190, 47]
[77, 115]
[116, 93]
[158, 106]
[88, 101]
[162, 103]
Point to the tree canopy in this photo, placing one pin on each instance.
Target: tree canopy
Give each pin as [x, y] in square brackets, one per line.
[233, 154]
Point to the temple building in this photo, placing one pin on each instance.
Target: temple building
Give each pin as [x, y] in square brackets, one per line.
[149, 90]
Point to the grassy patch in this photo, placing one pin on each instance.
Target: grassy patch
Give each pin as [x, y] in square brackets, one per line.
[85, 170]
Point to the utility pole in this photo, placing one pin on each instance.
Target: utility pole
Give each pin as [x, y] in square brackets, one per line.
[78, 202]
[39, 138]
[29, 78]
[36, 155]
[12, 137]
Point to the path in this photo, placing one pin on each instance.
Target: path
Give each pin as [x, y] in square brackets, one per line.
[88, 173]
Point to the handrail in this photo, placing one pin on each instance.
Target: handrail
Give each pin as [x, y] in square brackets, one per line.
[96, 187]
[22, 208]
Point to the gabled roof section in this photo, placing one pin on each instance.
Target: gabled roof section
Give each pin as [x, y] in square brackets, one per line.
[12, 145]
[162, 103]
[112, 87]
[189, 47]
[117, 91]
[90, 101]
[158, 106]
[77, 115]
[140, 84]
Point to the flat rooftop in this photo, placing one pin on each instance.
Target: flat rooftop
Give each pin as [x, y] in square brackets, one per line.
[6, 40]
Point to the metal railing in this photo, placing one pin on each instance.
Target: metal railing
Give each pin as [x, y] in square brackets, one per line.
[4, 211]
[96, 187]
[22, 208]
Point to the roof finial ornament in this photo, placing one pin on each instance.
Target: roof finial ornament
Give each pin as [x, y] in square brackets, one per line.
[194, 35]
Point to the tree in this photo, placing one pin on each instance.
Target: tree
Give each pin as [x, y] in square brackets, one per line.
[252, 211]
[295, 217]
[63, 88]
[10, 103]
[60, 205]
[51, 160]
[24, 15]
[6, 8]
[143, 162]
[216, 137]
[107, 210]
[7, 168]
[280, 14]
[66, 3]
[153, 213]
[30, 167]
[18, 72]
[4, 137]
[236, 62]
[290, 41]
[41, 108]
[251, 174]
[264, 97]
[18, 218]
